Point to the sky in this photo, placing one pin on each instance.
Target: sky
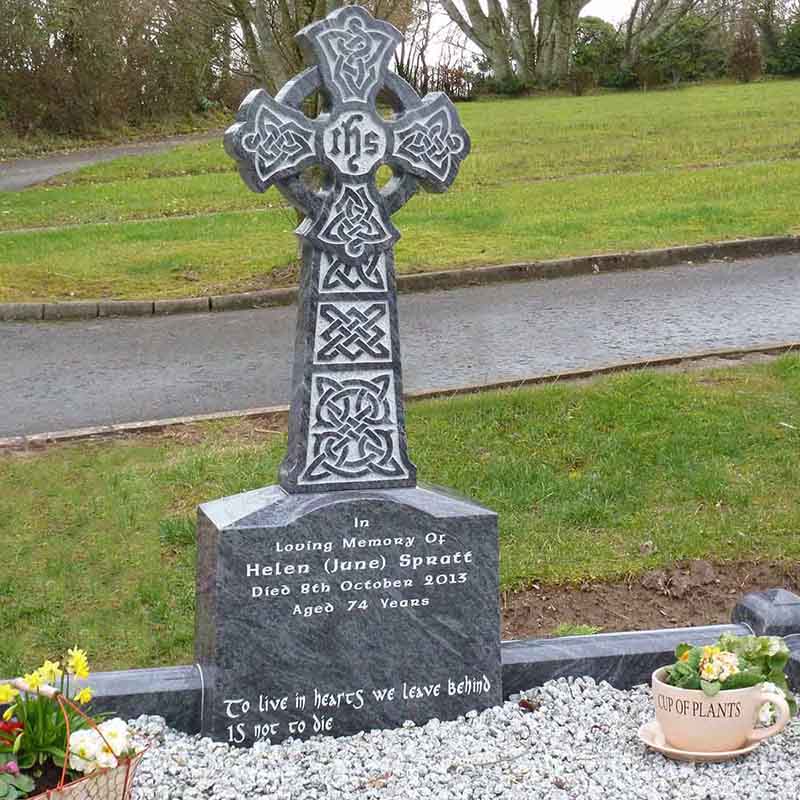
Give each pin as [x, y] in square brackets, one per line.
[612, 10]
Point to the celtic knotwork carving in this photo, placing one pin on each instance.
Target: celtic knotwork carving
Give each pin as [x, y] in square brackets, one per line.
[274, 142]
[352, 332]
[354, 220]
[336, 275]
[354, 432]
[354, 51]
[433, 144]
[270, 141]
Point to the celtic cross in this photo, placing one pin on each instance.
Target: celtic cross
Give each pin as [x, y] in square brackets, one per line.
[347, 424]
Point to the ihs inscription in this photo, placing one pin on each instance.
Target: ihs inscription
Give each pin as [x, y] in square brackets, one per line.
[354, 143]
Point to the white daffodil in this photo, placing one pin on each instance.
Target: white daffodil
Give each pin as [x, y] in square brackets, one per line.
[728, 664]
[81, 765]
[709, 671]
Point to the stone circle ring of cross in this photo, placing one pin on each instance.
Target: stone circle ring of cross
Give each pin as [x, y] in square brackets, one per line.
[274, 142]
[346, 422]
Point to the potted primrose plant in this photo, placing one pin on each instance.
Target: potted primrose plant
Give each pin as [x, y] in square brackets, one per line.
[722, 699]
[50, 745]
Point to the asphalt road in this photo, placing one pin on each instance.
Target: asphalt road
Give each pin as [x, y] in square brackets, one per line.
[22, 172]
[56, 376]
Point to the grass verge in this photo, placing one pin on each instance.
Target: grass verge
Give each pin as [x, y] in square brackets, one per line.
[240, 251]
[547, 178]
[100, 541]
[576, 629]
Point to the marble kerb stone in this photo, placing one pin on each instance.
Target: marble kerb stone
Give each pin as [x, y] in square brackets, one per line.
[623, 659]
[774, 612]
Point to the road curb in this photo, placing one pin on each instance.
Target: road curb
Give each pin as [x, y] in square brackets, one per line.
[281, 413]
[415, 282]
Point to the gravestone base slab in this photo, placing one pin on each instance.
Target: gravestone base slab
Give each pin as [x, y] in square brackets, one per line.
[339, 612]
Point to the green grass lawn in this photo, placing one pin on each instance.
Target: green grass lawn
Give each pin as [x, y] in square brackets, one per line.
[547, 177]
[100, 542]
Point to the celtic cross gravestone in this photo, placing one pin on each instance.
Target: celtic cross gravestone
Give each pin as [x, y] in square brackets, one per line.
[347, 597]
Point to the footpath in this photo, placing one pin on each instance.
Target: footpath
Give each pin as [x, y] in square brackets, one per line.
[65, 375]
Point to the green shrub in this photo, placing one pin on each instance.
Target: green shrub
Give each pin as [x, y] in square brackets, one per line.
[788, 56]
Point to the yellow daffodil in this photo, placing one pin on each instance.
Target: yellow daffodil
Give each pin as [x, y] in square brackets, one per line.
[34, 680]
[8, 713]
[84, 696]
[7, 693]
[77, 663]
[50, 671]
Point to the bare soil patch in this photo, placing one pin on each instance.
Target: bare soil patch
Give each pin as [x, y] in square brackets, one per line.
[689, 594]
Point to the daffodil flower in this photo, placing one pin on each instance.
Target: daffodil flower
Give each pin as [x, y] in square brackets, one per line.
[7, 693]
[50, 671]
[34, 680]
[77, 663]
[84, 696]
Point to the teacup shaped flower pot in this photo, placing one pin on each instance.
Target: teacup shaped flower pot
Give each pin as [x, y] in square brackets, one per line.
[694, 722]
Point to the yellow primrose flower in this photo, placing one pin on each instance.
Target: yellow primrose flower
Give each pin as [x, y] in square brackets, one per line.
[709, 652]
[77, 663]
[7, 693]
[50, 671]
[84, 696]
[34, 680]
[728, 664]
[709, 672]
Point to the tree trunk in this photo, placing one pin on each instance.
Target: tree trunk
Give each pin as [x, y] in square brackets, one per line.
[558, 27]
[523, 39]
[489, 31]
[647, 21]
[226, 54]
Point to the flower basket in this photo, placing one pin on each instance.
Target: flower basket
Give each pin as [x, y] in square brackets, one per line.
[112, 783]
[106, 784]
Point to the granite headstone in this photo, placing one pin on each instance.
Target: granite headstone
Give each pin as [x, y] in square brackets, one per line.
[347, 597]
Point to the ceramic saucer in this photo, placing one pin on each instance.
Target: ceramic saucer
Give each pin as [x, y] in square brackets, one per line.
[650, 733]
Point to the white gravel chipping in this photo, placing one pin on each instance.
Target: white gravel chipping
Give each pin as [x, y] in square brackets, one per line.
[580, 744]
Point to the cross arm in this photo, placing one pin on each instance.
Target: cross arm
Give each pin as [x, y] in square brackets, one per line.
[270, 141]
[429, 142]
